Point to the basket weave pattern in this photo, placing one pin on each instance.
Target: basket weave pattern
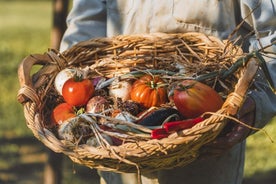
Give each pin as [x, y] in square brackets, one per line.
[111, 57]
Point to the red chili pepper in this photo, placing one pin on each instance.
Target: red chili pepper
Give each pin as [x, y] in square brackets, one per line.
[169, 127]
[159, 133]
[181, 125]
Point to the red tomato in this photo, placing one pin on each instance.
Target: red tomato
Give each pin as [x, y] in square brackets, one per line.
[149, 91]
[193, 98]
[62, 112]
[77, 92]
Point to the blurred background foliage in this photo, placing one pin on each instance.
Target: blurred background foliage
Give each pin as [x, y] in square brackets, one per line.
[25, 29]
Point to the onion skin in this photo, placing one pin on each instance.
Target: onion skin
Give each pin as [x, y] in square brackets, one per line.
[96, 104]
[62, 77]
[120, 89]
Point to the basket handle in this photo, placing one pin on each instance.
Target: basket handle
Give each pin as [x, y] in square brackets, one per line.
[27, 91]
[235, 99]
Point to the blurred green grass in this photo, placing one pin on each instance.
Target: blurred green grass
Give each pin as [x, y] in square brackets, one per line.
[25, 29]
[261, 151]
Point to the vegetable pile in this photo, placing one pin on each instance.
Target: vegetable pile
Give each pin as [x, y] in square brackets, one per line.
[116, 109]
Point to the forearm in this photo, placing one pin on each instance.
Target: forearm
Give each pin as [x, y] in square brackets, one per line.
[262, 93]
[260, 17]
[87, 19]
[265, 101]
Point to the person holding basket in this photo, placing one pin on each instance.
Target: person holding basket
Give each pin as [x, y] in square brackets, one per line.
[106, 18]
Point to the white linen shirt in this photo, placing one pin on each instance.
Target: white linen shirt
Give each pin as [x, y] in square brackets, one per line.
[101, 18]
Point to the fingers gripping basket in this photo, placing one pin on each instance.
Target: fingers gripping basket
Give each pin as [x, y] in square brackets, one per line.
[203, 58]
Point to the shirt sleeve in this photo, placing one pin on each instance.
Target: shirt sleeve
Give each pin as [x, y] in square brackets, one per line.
[260, 16]
[86, 19]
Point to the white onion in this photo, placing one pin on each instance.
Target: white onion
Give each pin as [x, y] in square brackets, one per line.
[120, 89]
[62, 77]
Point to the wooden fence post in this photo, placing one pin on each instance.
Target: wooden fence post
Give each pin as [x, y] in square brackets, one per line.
[60, 11]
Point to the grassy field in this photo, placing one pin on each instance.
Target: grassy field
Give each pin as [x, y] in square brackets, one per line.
[25, 29]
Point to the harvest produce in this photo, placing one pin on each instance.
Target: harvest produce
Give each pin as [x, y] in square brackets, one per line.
[96, 104]
[62, 112]
[169, 127]
[62, 77]
[181, 125]
[149, 90]
[159, 133]
[193, 98]
[75, 130]
[120, 89]
[77, 91]
[158, 116]
[136, 103]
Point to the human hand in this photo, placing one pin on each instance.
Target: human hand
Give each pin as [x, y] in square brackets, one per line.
[233, 132]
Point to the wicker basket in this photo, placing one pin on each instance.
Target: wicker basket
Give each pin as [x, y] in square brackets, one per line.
[200, 55]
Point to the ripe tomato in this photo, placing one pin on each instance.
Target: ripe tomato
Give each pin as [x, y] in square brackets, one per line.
[149, 91]
[77, 92]
[193, 98]
[62, 112]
